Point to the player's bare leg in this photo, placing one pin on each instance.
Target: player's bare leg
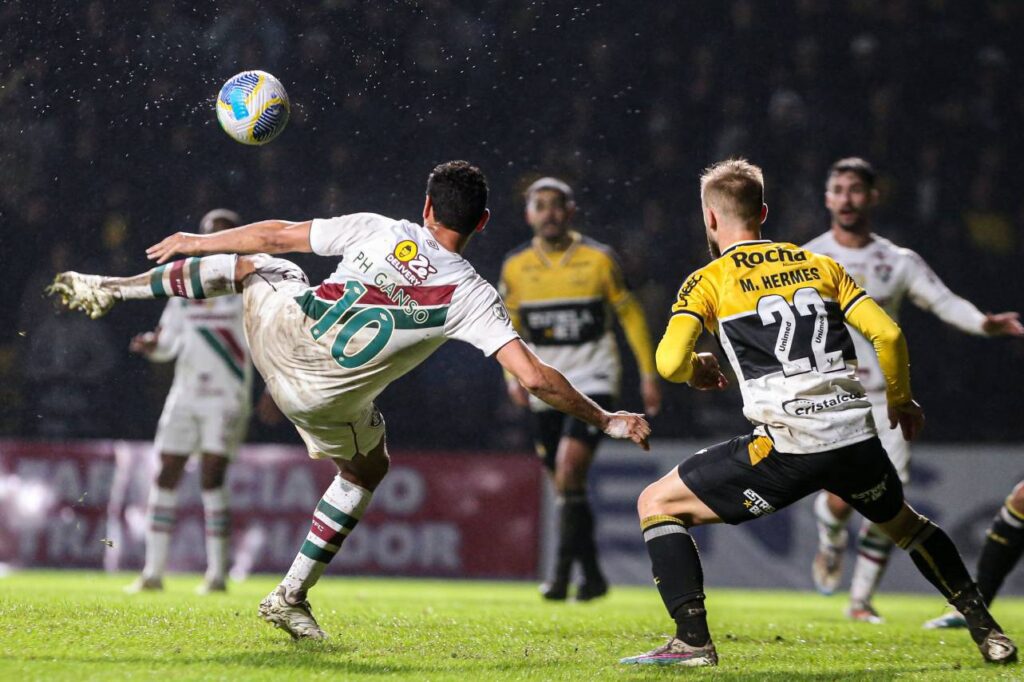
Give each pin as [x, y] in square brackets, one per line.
[217, 521]
[832, 515]
[161, 513]
[334, 518]
[667, 508]
[196, 278]
[576, 528]
[938, 560]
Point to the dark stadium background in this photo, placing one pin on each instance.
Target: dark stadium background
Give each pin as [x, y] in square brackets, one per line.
[108, 141]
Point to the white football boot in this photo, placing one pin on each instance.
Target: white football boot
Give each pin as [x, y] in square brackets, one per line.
[295, 619]
[83, 292]
[145, 584]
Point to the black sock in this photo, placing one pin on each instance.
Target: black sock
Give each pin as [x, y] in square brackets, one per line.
[938, 560]
[585, 548]
[675, 564]
[1004, 542]
[575, 518]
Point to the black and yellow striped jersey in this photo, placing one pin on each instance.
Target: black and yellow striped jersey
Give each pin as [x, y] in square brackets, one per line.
[779, 311]
[562, 303]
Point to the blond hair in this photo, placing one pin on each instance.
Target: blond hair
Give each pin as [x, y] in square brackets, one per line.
[734, 187]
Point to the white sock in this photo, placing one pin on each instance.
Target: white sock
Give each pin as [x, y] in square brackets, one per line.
[163, 508]
[189, 278]
[873, 550]
[218, 533]
[831, 531]
[336, 515]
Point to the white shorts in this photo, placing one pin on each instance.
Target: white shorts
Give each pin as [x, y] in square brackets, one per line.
[298, 370]
[185, 429]
[897, 448]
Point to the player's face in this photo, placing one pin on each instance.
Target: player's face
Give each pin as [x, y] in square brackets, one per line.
[850, 200]
[548, 214]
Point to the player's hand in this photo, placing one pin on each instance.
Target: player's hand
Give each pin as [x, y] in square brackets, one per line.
[707, 374]
[625, 425]
[1002, 324]
[143, 344]
[178, 244]
[910, 418]
[650, 392]
[517, 394]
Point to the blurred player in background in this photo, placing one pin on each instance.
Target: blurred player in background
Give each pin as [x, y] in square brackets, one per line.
[560, 289]
[1004, 542]
[888, 273]
[400, 291]
[778, 312]
[206, 412]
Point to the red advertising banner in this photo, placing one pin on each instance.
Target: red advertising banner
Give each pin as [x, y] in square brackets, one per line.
[83, 504]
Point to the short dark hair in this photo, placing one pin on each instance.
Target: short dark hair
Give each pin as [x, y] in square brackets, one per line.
[856, 165]
[458, 191]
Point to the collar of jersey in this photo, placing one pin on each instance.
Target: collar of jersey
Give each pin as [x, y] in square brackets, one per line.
[749, 242]
[564, 258]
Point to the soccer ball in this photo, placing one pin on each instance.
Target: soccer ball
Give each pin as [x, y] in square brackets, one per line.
[253, 107]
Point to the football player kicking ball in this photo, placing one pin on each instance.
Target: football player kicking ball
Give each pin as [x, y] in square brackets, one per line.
[778, 312]
[888, 273]
[325, 352]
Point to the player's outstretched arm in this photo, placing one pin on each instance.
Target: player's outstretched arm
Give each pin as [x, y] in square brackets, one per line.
[266, 236]
[548, 384]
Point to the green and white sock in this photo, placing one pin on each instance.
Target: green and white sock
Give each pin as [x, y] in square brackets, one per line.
[204, 277]
[218, 533]
[163, 509]
[335, 516]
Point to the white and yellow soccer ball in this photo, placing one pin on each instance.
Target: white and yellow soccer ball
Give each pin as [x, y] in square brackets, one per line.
[253, 107]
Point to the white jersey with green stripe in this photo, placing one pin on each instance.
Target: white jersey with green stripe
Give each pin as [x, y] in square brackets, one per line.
[395, 297]
[206, 340]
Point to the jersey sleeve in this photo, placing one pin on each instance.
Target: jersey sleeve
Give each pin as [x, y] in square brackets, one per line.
[479, 317]
[675, 354]
[332, 236]
[171, 331]
[509, 293]
[696, 298]
[928, 292]
[848, 293]
[870, 320]
[630, 314]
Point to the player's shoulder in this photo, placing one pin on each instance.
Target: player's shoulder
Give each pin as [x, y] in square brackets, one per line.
[519, 252]
[600, 249]
[822, 241]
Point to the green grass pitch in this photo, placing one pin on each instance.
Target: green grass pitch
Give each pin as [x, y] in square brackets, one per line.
[80, 626]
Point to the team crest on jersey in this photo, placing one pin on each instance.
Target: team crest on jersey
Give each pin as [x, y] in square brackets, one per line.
[883, 271]
[410, 263]
[499, 311]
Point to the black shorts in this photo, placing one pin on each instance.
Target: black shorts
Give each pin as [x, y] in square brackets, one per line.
[746, 477]
[550, 426]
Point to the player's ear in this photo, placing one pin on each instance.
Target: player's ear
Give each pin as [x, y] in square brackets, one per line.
[764, 213]
[874, 197]
[483, 219]
[428, 210]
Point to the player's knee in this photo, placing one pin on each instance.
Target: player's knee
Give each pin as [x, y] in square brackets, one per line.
[906, 525]
[213, 473]
[171, 469]
[651, 502]
[1016, 499]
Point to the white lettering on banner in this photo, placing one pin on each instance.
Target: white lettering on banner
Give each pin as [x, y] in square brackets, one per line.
[297, 491]
[290, 489]
[402, 492]
[397, 546]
